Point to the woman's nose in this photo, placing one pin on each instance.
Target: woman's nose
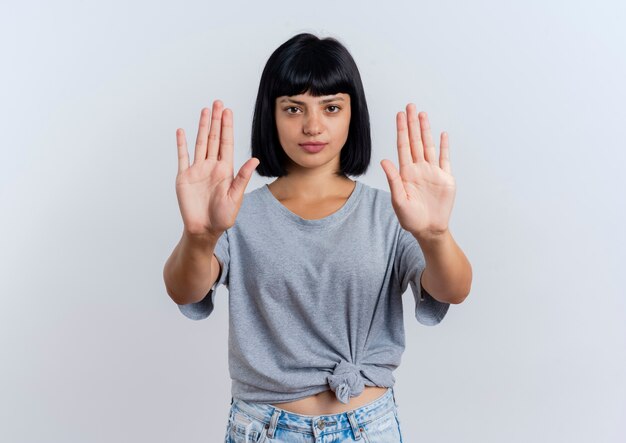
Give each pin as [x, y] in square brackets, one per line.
[312, 125]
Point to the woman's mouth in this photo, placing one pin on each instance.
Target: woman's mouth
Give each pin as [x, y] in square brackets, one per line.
[313, 147]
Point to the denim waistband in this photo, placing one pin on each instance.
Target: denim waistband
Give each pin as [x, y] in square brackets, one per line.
[274, 417]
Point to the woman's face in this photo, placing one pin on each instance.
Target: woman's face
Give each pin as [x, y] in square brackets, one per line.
[302, 119]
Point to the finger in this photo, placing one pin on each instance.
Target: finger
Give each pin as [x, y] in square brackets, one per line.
[240, 182]
[227, 140]
[430, 150]
[404, 150]
[398, 194]
[444, 153]
[201, 138]
[415, 137]
[183, 155]
[216, 129]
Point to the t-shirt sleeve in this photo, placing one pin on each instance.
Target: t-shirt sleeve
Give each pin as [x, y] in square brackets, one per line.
[203, 308]
[409, 265]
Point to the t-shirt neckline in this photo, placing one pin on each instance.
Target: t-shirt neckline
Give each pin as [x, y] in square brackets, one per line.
[325, 221]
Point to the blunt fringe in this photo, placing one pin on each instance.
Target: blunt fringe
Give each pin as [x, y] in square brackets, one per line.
[321, 67]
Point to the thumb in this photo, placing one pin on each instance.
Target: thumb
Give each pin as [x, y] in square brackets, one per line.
[243, 177]
[394, 179]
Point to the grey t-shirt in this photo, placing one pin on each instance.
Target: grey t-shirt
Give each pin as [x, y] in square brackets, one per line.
[316, 304]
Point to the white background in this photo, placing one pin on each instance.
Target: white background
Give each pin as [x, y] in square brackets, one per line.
[532, 96]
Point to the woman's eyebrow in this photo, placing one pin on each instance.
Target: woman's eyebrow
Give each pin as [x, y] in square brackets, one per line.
[327, 100]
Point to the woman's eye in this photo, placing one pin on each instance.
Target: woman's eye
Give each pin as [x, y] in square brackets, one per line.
[334, 109]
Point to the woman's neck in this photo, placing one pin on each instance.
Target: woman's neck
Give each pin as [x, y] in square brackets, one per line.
[311, 187]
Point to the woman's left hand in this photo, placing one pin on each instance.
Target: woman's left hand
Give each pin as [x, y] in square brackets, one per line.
[422, 193]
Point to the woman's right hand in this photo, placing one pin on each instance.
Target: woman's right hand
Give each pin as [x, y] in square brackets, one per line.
[208, 196]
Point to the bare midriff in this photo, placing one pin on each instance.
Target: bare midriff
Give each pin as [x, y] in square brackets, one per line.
[326, 402]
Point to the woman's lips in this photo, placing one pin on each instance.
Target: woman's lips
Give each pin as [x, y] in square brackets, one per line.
[313, 148]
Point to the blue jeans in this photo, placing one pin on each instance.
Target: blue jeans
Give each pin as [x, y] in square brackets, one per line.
[375, 422]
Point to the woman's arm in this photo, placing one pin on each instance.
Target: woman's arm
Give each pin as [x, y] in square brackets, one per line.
[422, 194]
[192, 269]
[448, 273]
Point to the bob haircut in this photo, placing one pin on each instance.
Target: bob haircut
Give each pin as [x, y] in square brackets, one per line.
[322, 67]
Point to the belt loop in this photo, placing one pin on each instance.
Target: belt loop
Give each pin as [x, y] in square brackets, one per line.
[355, 426]
[394, 397]
[272, 426]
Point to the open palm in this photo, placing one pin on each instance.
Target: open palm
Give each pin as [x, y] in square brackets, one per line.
[423, 191]
[208, 196]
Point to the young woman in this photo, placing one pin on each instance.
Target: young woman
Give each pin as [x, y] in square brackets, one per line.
[315, 263]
